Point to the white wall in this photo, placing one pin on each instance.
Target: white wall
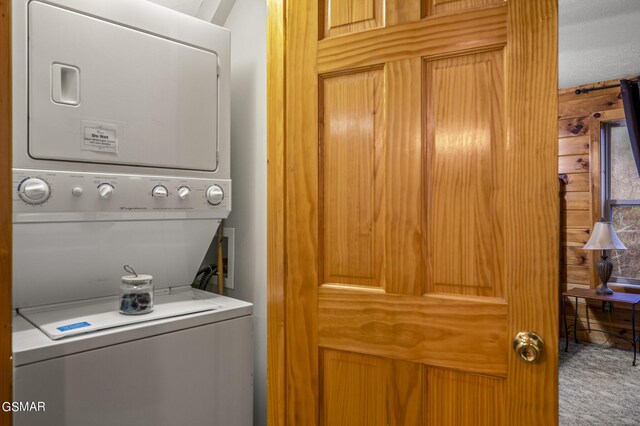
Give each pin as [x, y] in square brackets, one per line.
[248, 24]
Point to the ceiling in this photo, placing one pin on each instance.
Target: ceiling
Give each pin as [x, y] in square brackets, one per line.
[598, 40]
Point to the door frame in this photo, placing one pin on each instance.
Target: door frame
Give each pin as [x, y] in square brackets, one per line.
[276, 376]
[521, 97]
[6, 363]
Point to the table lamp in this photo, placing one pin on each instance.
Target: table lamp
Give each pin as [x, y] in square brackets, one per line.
[603, 238]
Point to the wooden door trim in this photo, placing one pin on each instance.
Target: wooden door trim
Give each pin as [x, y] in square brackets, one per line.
[276, 374]
[6, 364]
[300, 255]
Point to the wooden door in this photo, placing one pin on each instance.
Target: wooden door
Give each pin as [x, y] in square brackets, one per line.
[413, 211]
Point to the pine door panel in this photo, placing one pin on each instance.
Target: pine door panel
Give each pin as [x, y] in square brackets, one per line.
[352, 178]
[343, 17]
[465, 142]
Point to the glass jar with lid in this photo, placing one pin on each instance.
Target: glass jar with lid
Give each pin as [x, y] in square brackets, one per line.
[136, 294]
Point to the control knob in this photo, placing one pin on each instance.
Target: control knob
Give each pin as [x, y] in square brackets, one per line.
[105, 190]
[183, 192]
[159, 191]
[34, 191]
[215, 195]
[77, 191]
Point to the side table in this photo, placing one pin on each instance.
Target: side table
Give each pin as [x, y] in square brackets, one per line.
[588, 294]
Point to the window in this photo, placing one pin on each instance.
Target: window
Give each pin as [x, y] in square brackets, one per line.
[622, 201]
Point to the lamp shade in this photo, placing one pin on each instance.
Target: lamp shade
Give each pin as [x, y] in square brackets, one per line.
[604, 237]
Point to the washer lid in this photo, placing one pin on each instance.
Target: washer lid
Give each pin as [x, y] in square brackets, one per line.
[86, 316]
[31, 345]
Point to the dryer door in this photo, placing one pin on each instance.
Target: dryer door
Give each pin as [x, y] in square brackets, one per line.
[100, 92]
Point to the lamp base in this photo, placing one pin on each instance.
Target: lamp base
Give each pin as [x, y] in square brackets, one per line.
[604, 290]
[604, 268]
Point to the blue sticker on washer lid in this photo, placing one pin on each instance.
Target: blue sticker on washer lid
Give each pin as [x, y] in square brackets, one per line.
[74, 326]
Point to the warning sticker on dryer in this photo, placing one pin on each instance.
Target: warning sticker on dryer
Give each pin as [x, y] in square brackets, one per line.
[99, 137]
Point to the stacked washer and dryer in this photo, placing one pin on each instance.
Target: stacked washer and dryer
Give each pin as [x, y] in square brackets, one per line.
[121, 156]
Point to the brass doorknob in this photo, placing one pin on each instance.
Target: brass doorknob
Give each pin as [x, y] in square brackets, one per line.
[528, 346]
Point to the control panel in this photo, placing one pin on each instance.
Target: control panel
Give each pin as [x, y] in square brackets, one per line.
[46, 191]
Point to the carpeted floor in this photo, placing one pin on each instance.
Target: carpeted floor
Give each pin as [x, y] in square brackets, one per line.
[598, 386]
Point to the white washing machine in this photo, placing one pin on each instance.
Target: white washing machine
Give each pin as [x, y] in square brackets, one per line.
[121, 156]
[186, 368]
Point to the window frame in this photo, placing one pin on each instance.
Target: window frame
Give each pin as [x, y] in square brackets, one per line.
[607, 202]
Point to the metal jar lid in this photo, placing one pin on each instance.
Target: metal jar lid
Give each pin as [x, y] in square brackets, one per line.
[137, 279]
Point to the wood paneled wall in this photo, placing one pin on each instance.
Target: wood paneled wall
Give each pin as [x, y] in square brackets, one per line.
[6, 366]
[580, 120]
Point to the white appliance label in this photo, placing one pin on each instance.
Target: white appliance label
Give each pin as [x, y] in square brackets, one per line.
[100, 137]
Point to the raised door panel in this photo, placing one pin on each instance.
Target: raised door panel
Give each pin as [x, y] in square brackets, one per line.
[464, 157]
[352, 178]
[348, 16]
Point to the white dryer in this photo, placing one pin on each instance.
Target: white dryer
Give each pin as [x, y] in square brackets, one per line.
[121, 156]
